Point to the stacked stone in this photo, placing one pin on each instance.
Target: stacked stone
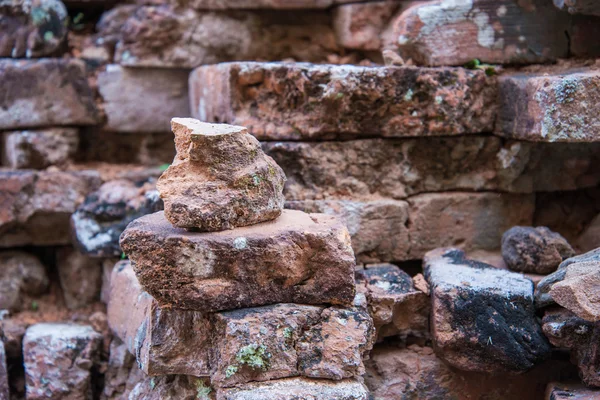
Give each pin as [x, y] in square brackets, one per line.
[226, 289]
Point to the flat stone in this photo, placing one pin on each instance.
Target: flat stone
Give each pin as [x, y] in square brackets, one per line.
[298, 258]
[80, 277]
[39, 149]
[377, 228]
[397, 307]
[570, 391]
[297, 389]
[445, 32]
[220, 178]
[58, 360]
[36, 206]
[22, 276]
[579, 291]
[57, 93]
[165, 94]
[103, 216]
[549, 106]
[170, 37]
[483, 318]
[306, 101]
[32, 29]
[4, 387]
[164, 341]
[589, 7]
[537, 250]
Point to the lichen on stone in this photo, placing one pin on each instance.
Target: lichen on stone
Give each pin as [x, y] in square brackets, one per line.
[255, 356]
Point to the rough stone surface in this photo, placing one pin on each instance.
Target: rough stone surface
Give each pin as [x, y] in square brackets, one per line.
[32, 29]
[165, 36]
[361, 25]
[164, 341]
[446, 32]
[105, 213]
[80, 277]
[118, 370]
[4, 387]
[22, 275]
[39, 149]
[590, 237]
[165, 94]
[59, 359]
[297, 389]
[171, 387]
[36, 206]
[298, 258]
[483, 319]
[590, 7]
[570, 391]
[377, 228]
[57, 93]
[550, 107]
[306, 101]
[536, 250]
[579, 290]
[220, 178]
[397, 307]
[397, 168]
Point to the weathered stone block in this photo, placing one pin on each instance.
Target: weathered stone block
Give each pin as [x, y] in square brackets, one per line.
[550, 107]
[36, 206]
[220, 178]
[570, 391]
[22, 275]
[40, 148]
[590, 7]
[305, 101]
[298, 258]
[80, 277]
[483, 318]
[58, 360]
[164, 341]
[57, 93]
[377, 228]
[361, 25]
[579, 290]
[4, 387]
[171, 387]
[165, 94]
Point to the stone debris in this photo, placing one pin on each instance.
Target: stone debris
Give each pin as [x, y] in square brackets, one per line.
[398, 308]
[57, 93]
[590, 7]
[80, 278]
[99, 221]
[59, 359]
[298, 258]
[22, 276]
[220, 178]
[279, 101]
[570, 391]
[549, 106]
[536, 250]
[39, 149]
[483, 318]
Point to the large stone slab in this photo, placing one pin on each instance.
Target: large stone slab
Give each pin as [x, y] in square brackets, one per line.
[57, 93]
[36, 205]
[483, 318]
[307, 101]
[165, 94]
[298, 258]
[550, 106]
[39, 149]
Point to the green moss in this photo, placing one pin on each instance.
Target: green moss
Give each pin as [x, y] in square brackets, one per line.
[230, 371]
[202, 391]
[255, 356]
[288, 333]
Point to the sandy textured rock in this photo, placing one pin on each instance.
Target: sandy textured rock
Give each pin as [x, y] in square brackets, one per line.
[397, 168]
[164, 341]
[80, 277]
[447, 32]
[39, 149]
[170, 37]
[4, 388]
[32, 29]
[165, 94]
[377, 228]
[59, 359]
[306, 101]
[397, 307]
[579, 291]
[550, 106]
[590, 7]
[469, 221]
[57, 93]
[483, 319]
[220, 178]
[298, 258]
[537, 250]
[22, 275]
[297, 389]
[105, 213]
[570, 391]
[361, 25]
[36, 206]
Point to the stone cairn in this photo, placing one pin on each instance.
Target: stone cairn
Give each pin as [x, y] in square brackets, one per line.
[230, 290]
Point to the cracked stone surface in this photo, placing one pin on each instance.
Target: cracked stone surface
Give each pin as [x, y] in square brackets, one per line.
[298, 258]
[220, 178]
[38, 149]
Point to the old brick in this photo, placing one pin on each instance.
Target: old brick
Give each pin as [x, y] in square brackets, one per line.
[304, 101]
[22, 275]
[361, 25]
[80, 277]
[39, 149]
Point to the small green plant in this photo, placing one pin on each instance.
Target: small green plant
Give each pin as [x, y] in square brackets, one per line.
[123, 256]
[489, 70]
[202, 391]
[35, 306]
[164, 167]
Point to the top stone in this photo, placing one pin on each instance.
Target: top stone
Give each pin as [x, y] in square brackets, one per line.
[220, 178]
